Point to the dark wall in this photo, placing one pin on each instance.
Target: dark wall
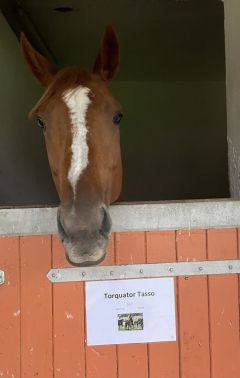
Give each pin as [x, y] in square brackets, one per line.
[24, 172]
[174, 141]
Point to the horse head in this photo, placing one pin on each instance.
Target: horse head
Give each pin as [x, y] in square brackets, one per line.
[80, 120]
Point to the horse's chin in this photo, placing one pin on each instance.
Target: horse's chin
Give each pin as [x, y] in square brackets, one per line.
[91, 256]
[85, 262]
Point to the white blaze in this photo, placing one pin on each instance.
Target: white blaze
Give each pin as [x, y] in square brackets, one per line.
[77, 101]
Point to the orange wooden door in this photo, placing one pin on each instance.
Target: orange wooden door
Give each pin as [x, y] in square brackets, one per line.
[42, 326]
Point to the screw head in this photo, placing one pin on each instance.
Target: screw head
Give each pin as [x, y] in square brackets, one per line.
[56, 275]
[170, 269]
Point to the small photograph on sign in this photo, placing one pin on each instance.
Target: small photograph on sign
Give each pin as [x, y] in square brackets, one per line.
[130, 322]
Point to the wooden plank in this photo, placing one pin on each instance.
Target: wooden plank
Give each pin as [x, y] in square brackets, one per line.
[193, 309]
[163, 357]
[10, 312]
[36, 307]
[101, 361]
[132, 358]
[68, 323]
[224, 308]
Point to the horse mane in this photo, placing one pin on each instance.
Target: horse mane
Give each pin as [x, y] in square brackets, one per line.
[67, 78]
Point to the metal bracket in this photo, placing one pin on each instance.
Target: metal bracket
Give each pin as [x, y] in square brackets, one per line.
[2, 277]
[116, 272]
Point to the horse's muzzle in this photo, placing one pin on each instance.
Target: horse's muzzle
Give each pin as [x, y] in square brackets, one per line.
[84, 246]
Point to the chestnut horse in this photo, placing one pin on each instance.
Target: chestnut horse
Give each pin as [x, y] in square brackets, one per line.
[80, 121]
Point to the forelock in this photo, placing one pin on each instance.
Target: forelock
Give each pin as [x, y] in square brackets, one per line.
[66, 79]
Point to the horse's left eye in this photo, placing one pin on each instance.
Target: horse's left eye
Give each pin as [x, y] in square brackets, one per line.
[117, 118]
[40, 123]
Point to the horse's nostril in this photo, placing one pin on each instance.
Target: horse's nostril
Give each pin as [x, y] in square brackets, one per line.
[61, 230]
[106, 224]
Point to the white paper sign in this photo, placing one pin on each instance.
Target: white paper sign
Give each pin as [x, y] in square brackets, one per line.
[130, 311]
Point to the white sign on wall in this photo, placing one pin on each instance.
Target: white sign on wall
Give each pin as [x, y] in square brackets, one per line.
[130, 311]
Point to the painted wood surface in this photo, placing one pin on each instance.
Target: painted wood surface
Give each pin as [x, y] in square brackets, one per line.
[42, 326]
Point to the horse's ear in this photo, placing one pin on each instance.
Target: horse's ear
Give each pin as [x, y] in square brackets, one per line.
[41, 68]
[107, 60]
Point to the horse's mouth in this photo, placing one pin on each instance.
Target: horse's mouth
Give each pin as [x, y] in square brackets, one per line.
[84, 259]
[85, 263]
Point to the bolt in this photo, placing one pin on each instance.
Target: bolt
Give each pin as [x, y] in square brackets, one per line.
[56, 275]
[200, 268]
[141, 271]
[230, 267]
[170, 269]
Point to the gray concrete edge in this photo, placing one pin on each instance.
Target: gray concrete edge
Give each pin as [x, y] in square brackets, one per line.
[223, 213]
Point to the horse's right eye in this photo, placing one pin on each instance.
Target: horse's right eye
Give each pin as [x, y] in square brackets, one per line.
[117, 118]
[40, 123]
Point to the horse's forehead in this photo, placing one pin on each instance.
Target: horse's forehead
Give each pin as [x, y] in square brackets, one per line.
[85, 79]
[70, 81]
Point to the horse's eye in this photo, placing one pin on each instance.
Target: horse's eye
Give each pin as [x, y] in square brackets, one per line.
[117, 118]
[40, 123]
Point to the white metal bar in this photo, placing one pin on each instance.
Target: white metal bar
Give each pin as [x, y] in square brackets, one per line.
[175, 269]
[132, 217]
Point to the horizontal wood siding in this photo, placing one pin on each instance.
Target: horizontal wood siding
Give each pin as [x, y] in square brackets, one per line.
[42, 326]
